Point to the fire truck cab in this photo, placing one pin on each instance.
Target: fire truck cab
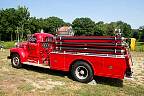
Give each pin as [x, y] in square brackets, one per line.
[83, 56]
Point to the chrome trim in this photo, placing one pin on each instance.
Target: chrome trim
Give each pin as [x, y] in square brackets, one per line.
[98, 55]
[35, 64]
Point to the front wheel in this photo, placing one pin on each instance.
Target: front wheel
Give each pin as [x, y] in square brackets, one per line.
[15, 61]
[82, 72]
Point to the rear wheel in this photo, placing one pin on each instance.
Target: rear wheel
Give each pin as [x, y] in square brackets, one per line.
[82, 72]
[15, 61]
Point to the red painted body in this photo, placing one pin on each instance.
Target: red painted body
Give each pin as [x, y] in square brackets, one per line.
[105, 54]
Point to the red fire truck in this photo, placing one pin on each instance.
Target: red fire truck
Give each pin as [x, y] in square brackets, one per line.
[83, 56]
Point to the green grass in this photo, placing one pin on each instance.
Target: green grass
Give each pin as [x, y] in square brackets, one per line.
[7, 45]
[99, 90]
[2, 93]
[140, 46]
[26, 87]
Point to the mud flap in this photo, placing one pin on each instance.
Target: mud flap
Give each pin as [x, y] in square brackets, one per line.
[128, 73]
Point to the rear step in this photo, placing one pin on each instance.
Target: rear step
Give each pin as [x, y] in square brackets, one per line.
[35, 64]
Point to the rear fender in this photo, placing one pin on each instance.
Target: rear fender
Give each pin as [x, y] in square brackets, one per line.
[21, 52]
[129, 63]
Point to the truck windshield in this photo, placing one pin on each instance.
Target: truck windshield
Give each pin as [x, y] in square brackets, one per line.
[32, 39]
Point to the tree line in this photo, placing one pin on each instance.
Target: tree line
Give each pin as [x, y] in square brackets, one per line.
[17, 22]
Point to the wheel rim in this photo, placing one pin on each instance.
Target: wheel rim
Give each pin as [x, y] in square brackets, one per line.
[81, 72]
[15, 61]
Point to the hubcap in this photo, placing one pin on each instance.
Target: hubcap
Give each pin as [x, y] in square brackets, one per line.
[81, 72]
[15, 61]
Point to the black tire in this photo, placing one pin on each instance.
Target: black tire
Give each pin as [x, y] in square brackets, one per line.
[15, 61]
[82, 72]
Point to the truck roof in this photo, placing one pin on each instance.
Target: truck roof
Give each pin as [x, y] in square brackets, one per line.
[40, 36]
[43, 34]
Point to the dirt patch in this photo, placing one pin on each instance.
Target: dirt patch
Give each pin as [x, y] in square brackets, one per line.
[45, 84]
[12, 84]
[74, 86]
[138, 67]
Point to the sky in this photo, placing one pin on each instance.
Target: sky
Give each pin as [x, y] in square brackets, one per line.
[129, 11]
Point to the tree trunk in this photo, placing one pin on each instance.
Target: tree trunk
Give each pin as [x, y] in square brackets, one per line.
[0, 36]
[22, 36]
[11, 37]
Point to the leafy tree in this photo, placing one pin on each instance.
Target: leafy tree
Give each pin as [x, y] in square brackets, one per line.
[34, 25]
[135, 33]
[83, 26]
[14, 22]
[141, 33]
[125, 28]
[51, 24]
[11, 20]
[22, 17]
[100, 29]
[8, 23]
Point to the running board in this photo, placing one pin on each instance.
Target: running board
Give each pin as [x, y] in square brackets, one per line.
[35, 64]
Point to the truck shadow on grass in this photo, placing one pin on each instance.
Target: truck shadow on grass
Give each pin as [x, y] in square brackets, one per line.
[45, 70]
[98, 79]
[109, 81]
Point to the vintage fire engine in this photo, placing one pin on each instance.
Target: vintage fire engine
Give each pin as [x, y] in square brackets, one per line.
[83, 56]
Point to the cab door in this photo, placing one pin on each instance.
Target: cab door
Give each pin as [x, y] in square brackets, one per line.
[45, 47]
[33, 49]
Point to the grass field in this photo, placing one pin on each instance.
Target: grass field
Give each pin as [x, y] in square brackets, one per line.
[140, 46]
[7, 45]
[34, 81]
